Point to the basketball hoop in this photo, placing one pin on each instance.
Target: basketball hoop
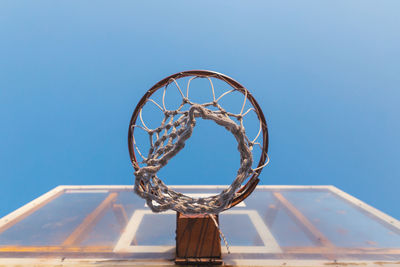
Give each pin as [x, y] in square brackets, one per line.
[177, 127]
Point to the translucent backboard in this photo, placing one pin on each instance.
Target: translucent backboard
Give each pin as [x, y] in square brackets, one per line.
[276, 225]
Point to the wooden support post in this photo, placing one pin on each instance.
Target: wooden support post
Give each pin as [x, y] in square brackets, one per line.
[197, 240]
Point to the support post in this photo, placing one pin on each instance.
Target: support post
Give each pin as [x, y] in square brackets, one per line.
[197, 240]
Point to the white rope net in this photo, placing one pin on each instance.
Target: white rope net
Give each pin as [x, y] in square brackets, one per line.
[170, 138]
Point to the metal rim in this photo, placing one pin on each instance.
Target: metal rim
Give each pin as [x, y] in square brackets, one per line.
[251, 184]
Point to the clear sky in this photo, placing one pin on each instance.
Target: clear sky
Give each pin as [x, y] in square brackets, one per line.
[326, 74]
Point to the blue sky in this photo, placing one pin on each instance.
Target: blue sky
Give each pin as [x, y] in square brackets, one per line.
[326, 74]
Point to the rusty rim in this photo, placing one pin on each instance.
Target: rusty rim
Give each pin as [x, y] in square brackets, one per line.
[251, 184]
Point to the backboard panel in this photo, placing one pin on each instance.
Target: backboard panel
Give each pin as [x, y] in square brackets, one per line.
[297, 225]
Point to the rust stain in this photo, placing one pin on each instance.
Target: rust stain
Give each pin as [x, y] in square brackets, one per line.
[372, 243]
[55, 249]
[346, 263]
[386, 262]
[272, 206]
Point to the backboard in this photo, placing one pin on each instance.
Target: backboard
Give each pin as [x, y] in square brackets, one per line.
[276, 225]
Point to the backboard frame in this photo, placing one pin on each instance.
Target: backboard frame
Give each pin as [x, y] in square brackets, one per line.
[34, 205]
